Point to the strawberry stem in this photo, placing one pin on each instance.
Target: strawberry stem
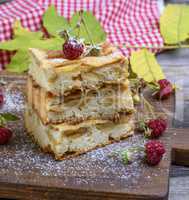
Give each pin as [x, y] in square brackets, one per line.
[86, 28]
[148, 106]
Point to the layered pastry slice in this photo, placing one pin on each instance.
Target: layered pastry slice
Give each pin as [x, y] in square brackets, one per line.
[107, 103]
[74, 106]
[59, 75]
[65, 140]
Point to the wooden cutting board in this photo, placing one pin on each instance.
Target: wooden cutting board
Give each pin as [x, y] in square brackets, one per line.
[180, 147]
[180, 141]
[27, 173]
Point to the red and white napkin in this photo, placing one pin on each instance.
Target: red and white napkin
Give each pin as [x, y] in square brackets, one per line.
[132, 22]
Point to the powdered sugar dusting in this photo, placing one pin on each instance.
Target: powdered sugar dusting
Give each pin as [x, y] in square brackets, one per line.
[22, 155]
[57, 60]
[14, 101]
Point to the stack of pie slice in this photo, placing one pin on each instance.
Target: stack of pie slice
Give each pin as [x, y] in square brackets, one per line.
[74, 106]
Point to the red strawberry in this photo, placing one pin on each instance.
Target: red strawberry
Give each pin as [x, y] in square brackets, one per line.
[5, 135]
[165, 89]
[1, 98]
[154, 152]
[157, 127]
[72, 49]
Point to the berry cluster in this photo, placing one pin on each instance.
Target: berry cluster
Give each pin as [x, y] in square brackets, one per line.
[153, 128]
[156, 127]
[5, 133]
[154, 149]
[72, 49]
[154, 152]
[165, 89]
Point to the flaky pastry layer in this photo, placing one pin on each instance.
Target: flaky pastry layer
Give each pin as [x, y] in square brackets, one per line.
[64, 140]
[59, 75]
[108, 102]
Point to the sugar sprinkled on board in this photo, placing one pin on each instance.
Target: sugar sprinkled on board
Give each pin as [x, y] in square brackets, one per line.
[21, 155]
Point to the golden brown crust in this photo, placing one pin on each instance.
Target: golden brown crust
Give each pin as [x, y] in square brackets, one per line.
[48, 149]
[108, 55]
[52, 66]
[74, 154]
[54, 54]
[38, 98]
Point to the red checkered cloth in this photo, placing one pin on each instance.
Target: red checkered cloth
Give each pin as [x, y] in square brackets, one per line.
[132, 22]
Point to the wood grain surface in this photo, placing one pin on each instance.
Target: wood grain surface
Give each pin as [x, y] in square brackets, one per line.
[96, 184]
[180, 147]
[176, 66]
[177, 61]
[177, 71]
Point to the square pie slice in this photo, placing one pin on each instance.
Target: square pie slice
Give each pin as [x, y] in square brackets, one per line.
[74, 106]
[65, 140]
[59, 75]
[108, 102]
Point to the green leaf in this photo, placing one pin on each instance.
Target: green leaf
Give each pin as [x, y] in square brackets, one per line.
[9, 45]
[53, 22]
[20, 61]
[25, 34]
[145, 65]
[54, 43]
[174, 24]
[24, 39]
[9, 117]
[94, 27]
